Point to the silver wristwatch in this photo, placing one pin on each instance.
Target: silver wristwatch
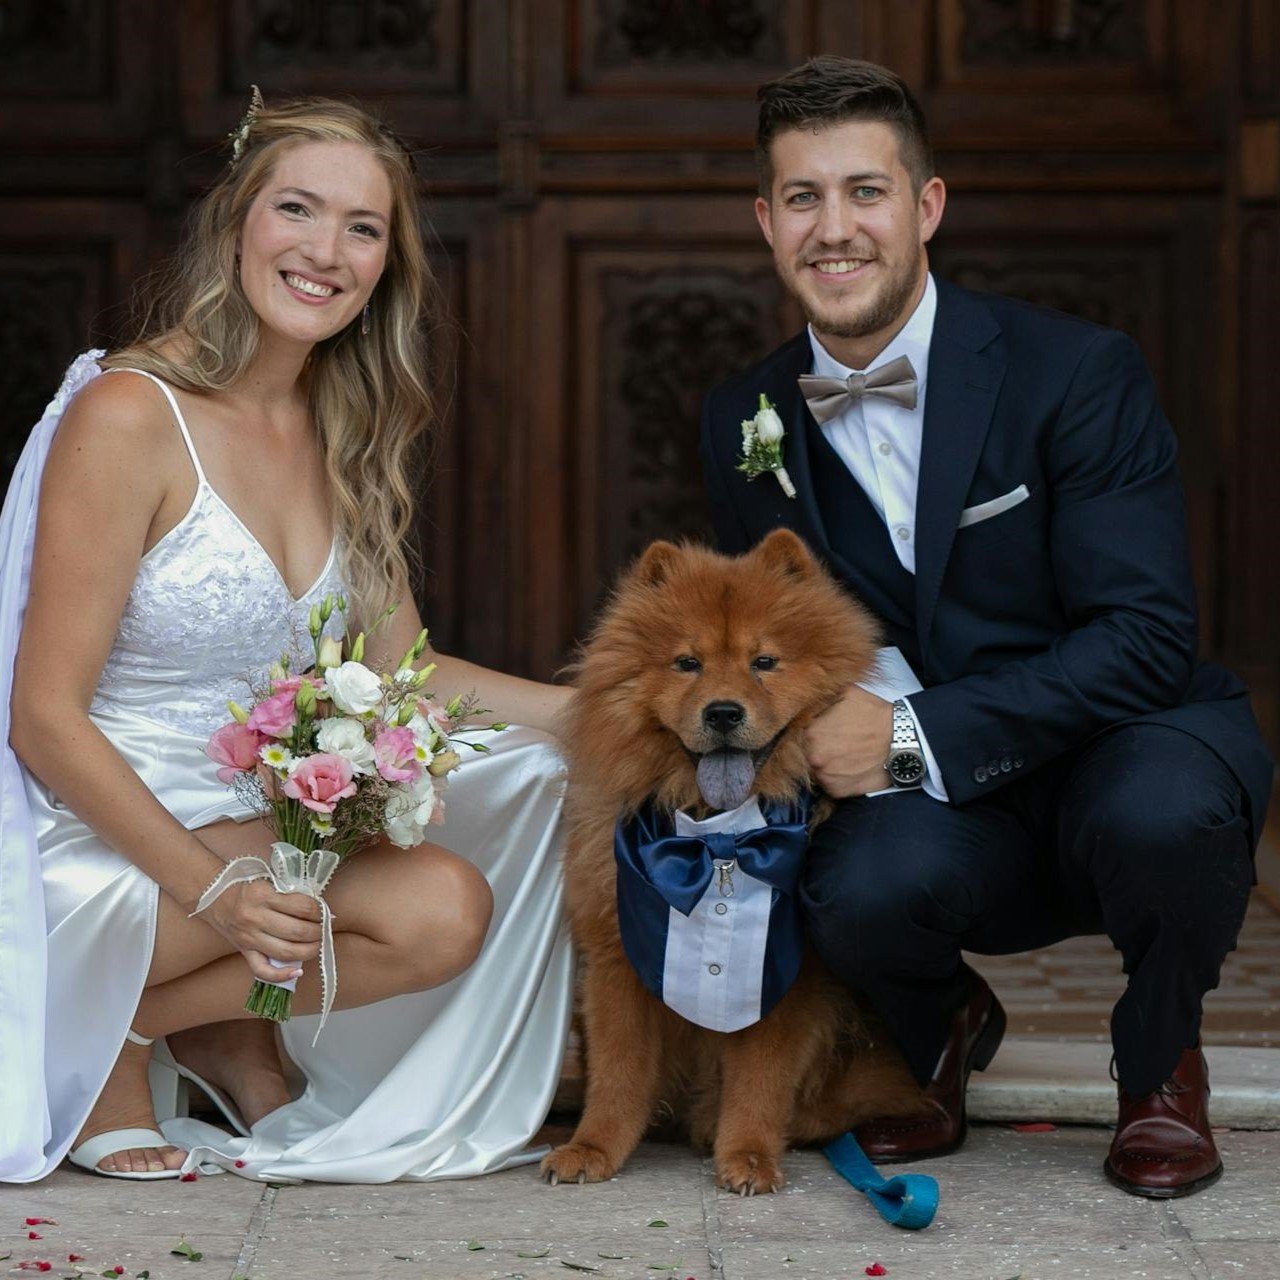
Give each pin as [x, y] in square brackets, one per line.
[905, 765]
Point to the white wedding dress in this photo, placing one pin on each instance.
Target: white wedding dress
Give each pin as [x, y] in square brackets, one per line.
[442, 1084]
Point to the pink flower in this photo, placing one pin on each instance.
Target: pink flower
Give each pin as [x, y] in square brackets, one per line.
[275, 716]
[320, 781]
[394, 755]
[235, 747]
[293, 683]
[435, 712]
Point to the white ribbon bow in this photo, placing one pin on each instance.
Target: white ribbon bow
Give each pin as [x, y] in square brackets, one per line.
[291, 871]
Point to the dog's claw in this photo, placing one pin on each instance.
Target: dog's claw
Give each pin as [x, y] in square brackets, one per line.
[582, 1179]
[553, 1178]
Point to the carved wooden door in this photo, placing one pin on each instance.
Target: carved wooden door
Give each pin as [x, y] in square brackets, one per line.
[590, 175]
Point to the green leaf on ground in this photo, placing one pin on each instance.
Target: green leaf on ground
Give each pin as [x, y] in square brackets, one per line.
[541, 1253]
[184, 1250]
[612, 1257]
[474, 1245]
[657, 1222]
[577, 1266]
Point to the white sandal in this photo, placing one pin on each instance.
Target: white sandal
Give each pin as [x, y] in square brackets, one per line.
[92, 1150]
[162, 1056]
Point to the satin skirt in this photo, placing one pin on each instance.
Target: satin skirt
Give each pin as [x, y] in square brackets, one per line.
[442, 1084]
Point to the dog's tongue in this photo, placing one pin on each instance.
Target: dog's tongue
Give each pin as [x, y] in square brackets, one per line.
[725, 778]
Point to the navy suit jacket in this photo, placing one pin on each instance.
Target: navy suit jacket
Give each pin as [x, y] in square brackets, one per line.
[1068, 613]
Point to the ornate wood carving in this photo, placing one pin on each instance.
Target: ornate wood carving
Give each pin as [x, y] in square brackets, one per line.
[53, 48]
[380, 46]
[1117, 288]
[1052, 31]
[42, 311]
[669, 337]
[707, 31]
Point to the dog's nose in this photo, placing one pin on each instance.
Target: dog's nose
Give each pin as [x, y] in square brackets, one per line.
[723, 716]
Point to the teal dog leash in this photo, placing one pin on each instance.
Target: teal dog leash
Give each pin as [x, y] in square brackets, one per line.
[906, 1200]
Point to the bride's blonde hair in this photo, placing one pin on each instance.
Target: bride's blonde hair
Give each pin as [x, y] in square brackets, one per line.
[370, 395]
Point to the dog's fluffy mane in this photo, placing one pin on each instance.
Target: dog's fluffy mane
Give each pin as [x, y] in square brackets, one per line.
[618, 751]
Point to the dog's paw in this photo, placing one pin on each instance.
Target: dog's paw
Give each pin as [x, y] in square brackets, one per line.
[748, 1173]
[577, 1162]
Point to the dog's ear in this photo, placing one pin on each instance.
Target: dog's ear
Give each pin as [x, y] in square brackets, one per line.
[654, 565]
[785, 550]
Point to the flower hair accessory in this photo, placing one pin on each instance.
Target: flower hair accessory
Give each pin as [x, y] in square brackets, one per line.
[239, 136]
[762, 446]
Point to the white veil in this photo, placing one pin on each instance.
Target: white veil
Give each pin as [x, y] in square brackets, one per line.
[24, 1111]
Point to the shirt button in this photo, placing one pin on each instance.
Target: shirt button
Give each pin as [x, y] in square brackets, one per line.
[903, 532]
[1018, 762]
[885, 448]
[993, 766]
[721, 908]
[1005, 765]
[713, 969]
[980, 774]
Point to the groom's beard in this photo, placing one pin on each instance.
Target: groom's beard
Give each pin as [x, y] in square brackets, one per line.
[885, 309]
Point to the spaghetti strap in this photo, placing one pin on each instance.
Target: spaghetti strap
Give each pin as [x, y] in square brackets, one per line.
[177, 413]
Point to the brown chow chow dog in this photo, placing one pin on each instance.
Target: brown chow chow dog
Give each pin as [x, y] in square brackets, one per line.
[694, 691]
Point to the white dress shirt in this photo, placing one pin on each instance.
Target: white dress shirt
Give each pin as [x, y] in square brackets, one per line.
[880, 441]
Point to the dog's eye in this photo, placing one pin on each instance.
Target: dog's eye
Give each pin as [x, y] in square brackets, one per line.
[687, 662]
[765, 662]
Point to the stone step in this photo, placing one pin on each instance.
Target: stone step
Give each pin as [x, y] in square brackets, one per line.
[1067, 1082]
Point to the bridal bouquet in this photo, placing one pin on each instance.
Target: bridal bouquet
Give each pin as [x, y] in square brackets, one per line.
[333, 757]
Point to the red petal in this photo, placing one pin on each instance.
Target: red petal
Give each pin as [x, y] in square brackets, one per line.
[41, 1222]
[187, 1177]
[34, 1235]
[45, 1266]
[75, 1257]
[239, 1164]
[877, 1269]
[118, 1270]
[1038, 1126]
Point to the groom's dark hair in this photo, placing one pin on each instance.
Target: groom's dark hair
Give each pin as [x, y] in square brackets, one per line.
[829, 90]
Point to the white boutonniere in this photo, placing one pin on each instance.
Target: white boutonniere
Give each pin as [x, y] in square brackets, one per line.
[762, 446]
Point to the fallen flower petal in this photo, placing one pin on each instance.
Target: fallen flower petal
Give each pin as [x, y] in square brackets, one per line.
[239, 1164]
[188, 1177]
[75, 1257]
[34, 1235]
[1038, 1126]
[877, 1269]
[41, 1222]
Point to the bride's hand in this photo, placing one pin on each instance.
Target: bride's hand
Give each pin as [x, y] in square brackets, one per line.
[259, 922]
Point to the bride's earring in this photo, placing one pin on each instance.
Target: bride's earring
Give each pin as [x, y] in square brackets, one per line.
[364, 320]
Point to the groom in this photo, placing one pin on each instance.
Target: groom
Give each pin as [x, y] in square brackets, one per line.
[997, 482]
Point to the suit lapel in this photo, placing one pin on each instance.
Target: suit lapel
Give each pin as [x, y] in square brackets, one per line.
[965, 373]
[801, 512]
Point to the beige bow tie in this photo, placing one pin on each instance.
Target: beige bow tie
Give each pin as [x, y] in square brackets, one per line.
[827, 397]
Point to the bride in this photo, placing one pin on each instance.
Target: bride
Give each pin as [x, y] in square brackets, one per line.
[207, 485]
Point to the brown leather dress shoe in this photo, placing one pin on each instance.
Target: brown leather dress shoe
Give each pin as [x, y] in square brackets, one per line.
[976, 1031]
[1163, 1145]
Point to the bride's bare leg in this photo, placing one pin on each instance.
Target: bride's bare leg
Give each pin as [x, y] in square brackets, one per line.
[404, 920]
[240, 1058]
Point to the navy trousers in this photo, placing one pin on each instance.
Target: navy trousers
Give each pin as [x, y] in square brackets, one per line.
[1140, 835]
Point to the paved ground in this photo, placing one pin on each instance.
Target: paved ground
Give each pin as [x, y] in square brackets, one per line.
[1013, 1204]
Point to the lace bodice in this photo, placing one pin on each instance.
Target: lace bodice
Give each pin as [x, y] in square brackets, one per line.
[208, 609]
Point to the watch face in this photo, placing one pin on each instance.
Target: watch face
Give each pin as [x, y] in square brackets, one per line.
[905, 768]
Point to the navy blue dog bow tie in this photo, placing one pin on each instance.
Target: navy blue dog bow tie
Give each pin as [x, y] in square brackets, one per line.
[681, 867]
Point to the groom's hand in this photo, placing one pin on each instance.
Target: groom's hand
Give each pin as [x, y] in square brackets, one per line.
[848, 744]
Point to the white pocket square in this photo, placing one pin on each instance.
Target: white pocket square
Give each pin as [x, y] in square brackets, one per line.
[985, 510]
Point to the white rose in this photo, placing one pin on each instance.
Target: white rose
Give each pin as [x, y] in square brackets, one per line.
[769, 428]
[426, 733]
[408, 811]
[344, 737]
[353, 688]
